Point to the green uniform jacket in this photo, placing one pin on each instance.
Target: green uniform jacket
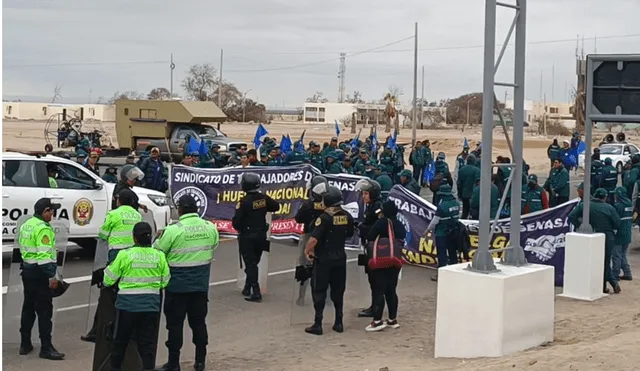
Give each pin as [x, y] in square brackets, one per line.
[110, 178]
[625, 211]
[386, 160]
[532, 197]
[632, 178]
[495, 200]
[418, 158]
[140, 273]
[448, 211]
[385, 185]
[327, 150]
[602, 217]
[467, 180]
[441, 168]
[189, 246]
[412, 186]
[38, 246]
[334, 168]
[296, 157]
[609, 179]
[428, 156]
[553, 152]
[559, 182]
[317, 161]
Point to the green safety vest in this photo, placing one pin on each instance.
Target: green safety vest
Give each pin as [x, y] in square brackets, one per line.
[52, 183]
[138, 271]
[117, 229]
[37, 242]
[188, 243]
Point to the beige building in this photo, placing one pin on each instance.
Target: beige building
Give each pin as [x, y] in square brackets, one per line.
[371, 113]
[44, 111]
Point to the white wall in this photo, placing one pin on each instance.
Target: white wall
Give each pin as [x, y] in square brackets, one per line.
[332, 111]
[43, 111]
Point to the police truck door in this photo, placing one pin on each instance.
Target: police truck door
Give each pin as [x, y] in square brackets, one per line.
[83, 199]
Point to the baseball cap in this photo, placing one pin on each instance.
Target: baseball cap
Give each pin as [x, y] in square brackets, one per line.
[43, 204]
[142, 229]
[334, 139]
[533, 178]
[187, 202]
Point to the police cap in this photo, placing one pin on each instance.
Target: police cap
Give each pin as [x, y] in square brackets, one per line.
[187, 202]
[126, 197]
[44, 204]
[141, 230]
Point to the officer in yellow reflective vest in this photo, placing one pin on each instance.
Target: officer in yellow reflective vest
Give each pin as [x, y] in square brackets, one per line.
[117, 230]
[39, 275]
[52, 171]
[188, 246]
[140, 273]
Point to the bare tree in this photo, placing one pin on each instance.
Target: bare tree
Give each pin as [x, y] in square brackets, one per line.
[159, 94]
[318, 97]
[57, 93]
[610, 126]
[130, 95]
[200, 82]
[355, 98]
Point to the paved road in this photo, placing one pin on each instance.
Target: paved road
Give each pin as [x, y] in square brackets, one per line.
[225, 303]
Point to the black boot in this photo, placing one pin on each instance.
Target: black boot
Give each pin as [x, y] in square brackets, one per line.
[337, 324]
[198, 366]
[89, 336]
[246, 291]
[256, 296]
[25, 346]
[201, 354]
[315, 329]
[366, 312]
[173, 364]
[49, 352]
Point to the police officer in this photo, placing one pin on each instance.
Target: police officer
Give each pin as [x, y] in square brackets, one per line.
[250, 222]
[312, 208]
[373, 202]
[140, 273]
[326, 249]
[129, 174]
[39, 275]
[604, 219]
[446, 218]
[188, 246]
[534, 198]
[117, 230]
[52, 172]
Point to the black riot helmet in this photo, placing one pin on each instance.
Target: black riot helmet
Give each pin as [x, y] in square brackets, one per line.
[371, 186]
[250, 182]
[317, 186]
[333, 197]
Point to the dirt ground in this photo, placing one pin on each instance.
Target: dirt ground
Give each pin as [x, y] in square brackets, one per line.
[29, 135]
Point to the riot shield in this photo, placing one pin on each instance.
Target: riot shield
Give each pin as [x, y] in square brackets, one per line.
[100, 261]
[12, 306]
[148, 218]
[61, 228]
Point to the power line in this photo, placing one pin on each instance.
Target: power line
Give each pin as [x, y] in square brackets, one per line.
[83, 64]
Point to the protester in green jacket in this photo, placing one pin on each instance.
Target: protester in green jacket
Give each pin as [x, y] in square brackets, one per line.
[619, 261]
[387, 161]
[333, 166]
[444, 221]
[609, 179]
[347, 165]
[603, 219]
[331, 147]
[634, 174]
[315, 157]
[384, 180]
[557, 184]
[534, 198]
[408, 182]
[475, 200]
[418, 161]
[466, 181]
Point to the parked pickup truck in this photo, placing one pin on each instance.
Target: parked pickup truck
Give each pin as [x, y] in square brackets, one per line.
[167, 124]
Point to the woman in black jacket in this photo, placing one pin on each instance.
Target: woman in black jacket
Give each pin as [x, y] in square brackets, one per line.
[386, 280]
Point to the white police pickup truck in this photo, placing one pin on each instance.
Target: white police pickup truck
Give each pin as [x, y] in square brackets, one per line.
[85, 197]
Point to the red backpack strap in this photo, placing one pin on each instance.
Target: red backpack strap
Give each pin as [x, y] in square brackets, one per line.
[391, 236]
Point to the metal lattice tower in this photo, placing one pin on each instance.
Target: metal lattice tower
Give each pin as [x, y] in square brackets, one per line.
[341, 75]
[514, 254]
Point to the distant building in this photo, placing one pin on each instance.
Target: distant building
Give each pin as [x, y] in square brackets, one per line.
[370, 113]
[43, 111]
[287, 115]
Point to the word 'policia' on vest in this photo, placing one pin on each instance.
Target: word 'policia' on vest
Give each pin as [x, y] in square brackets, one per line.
[117, 229]
[38, 243]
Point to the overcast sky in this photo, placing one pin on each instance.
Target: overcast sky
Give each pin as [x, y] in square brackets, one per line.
[93, 48]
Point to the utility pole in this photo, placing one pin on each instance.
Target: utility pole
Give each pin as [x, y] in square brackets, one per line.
[220, 80]
[341, 71]
[172, 66]
[553, 82]
[422, 102]
[415, 85]
[544, 117]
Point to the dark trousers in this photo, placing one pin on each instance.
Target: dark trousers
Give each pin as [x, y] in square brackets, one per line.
[435, 199]
[37, 302]
[193, 306]
[609, 277]
[142, 325]
[325, 276]
[251, 252]
[417, 173]
[558, 200]
[466, 206]
[386, 282]
[447, 253]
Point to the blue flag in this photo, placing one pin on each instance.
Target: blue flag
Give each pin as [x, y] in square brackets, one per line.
[429, 172]
[392, 141]
[337, 128]
[261, 132]
[203, 150]
[193, 146]
[465, 143]
[300, 146]
[354, 142]
[285, 144]
[374, 141]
